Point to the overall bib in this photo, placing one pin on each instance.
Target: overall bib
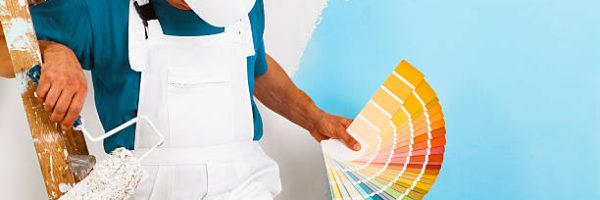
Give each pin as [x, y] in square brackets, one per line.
[195, 90]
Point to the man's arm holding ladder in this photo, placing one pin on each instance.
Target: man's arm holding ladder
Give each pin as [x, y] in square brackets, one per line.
[54, 146]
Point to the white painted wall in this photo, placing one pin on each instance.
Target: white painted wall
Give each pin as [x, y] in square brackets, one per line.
[289, 24]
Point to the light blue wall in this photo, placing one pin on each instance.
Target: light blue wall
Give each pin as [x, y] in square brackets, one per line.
[519, 82]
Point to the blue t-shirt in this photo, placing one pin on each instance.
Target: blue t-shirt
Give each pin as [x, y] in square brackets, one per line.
[97, 31]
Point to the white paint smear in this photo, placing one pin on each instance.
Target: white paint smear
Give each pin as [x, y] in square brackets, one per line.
[16, 36]
[289, 27]
[22, 81]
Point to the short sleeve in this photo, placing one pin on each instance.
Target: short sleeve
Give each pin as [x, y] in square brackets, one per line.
[257, 18]
[261, 65]
[66, 22]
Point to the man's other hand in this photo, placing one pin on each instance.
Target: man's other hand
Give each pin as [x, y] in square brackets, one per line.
[62, 86]
[180, 4]
[331, 126]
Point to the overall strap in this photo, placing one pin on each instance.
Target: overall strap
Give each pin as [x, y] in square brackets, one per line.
[140, 12]
[146, 13]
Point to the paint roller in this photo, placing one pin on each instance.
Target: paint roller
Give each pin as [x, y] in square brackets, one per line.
[117, 176]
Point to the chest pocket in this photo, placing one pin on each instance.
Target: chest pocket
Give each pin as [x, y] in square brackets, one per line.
[200, 98]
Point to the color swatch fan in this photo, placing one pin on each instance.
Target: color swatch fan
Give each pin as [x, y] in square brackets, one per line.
[401, 130]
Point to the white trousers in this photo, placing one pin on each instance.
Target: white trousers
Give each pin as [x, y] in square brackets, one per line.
[234, 171]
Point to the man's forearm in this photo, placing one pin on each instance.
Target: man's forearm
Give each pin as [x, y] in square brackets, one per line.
[6, 68]
[276, 90]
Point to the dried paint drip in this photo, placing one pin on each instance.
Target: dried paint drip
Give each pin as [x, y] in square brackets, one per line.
[115, 178]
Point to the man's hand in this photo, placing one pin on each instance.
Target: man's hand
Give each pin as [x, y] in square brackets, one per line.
[63, 86]
[333, 127]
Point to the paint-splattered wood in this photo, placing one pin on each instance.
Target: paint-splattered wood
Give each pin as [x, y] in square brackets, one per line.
[51, 143]
[75, 140]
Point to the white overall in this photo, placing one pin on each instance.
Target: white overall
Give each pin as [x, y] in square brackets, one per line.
[195, 90]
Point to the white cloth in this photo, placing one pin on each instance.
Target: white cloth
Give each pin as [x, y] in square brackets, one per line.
[221, 13]
[195, 90]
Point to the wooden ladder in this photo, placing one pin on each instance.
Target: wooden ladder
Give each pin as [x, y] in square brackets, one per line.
[55, 147]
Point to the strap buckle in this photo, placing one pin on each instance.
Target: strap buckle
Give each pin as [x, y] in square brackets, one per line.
[146, 13]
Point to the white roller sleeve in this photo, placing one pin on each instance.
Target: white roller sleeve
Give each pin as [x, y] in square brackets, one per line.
[116, 177]
[221, 13]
